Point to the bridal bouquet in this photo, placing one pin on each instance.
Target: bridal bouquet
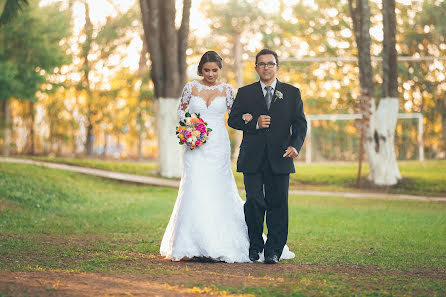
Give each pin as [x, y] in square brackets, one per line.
[193, 131]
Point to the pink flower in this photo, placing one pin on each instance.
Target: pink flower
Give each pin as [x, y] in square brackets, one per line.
[201, 128]
[197, 143]
[183, 140]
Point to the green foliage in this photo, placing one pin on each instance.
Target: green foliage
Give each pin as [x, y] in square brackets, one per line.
[101, 45]
[10, 9]
[30, 50]
[423, 84]
[324, 29]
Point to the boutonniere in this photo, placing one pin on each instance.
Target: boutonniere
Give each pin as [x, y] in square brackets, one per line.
[278, 95]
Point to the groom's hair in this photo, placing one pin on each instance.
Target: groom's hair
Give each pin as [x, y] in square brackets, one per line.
[267, 51]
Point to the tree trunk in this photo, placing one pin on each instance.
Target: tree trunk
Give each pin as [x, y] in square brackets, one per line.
[104, 153]
[390, 71]
[238, 61]
[90, 139]
[443, 120]
[2, 121]
[59, 147]
[88, 30]
[32, 150]
[360, 13]
[361, 27]
[380, 141]
[142, 69]
[380, 146]
[167, 47]
[169, 151]
[140, 132]
[183, 33]
[49, 149]
[378, 126]
[7, 120]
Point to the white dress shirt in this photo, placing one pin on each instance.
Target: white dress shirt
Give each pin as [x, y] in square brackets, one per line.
[273, 85]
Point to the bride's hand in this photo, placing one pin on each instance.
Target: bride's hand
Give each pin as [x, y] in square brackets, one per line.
[247, 117]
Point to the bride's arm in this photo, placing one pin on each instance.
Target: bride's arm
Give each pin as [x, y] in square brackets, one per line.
[183, 107]
[229, 98]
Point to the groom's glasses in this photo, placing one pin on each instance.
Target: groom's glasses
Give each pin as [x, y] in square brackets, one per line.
[266, 65]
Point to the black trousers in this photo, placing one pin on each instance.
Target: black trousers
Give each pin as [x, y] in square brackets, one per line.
[267, 192]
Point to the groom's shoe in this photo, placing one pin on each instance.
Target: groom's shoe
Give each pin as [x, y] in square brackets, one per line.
[254, 255]
[271, 259]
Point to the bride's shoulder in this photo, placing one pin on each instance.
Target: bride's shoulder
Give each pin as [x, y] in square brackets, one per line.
[227, 86]
[190, 84]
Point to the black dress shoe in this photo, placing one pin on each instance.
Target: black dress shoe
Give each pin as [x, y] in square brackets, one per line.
[271, 259]
[254, 255]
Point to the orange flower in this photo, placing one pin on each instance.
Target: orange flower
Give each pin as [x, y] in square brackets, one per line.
[195, 121]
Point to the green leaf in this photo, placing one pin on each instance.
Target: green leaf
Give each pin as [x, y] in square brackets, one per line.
[11, 10]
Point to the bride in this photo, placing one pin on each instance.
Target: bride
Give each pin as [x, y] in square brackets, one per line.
[207, 220]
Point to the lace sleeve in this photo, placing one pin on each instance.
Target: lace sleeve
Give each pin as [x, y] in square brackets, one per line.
[184, 101]
[229, 97]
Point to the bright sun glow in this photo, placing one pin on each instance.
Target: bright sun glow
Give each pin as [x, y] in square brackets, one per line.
[199, 25]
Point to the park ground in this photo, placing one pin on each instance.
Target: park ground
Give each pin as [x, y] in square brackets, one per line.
[67, 234]
[425, 178]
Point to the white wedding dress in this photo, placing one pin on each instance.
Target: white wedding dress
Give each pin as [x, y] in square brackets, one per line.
[208, 218]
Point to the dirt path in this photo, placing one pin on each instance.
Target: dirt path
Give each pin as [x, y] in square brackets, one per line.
[88, 284]
[147, 274]
[155, 181]
[154, 276]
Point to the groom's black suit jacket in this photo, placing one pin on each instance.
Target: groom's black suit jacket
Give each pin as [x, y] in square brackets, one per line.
[288, 127]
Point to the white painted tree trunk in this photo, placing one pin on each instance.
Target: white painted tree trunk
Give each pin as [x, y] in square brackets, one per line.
[170, 153]
[380, 145]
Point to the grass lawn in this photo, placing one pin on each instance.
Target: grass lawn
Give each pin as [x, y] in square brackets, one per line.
[419, 178]
[53, 221]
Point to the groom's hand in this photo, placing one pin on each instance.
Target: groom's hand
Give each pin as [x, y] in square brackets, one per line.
[290, 152]
[263, 121]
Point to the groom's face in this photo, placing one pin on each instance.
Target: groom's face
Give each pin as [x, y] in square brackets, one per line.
[267, 68]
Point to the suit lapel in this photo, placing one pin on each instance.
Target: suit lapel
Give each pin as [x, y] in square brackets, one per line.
[260, 96]
[274, 101]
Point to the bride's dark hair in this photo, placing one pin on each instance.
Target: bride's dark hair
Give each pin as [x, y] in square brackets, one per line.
[209, 56]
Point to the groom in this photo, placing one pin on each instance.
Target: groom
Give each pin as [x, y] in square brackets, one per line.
[272, 138]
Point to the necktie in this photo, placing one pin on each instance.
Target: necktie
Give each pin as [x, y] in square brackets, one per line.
[268, 96]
